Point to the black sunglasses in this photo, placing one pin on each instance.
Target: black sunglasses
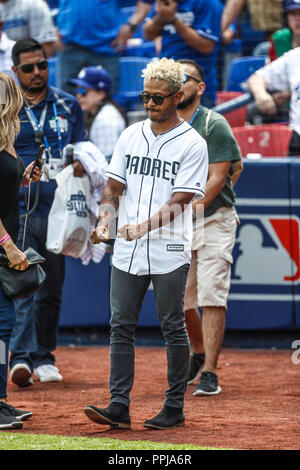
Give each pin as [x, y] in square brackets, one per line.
[158, 99]
[28, 68]
[187, 77]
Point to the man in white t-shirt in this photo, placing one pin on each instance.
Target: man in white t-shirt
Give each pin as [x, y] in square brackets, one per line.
[25, 19]
[158, 166]
[282, 74]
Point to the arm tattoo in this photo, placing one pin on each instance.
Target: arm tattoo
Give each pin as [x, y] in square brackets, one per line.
[109, 198]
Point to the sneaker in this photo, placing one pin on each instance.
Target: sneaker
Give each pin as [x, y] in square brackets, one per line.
[7, 418]
[208, 384]
[22, 415]
[196, 362]
[116, 414]
[20, 374]
[169, 417]
[47, 373]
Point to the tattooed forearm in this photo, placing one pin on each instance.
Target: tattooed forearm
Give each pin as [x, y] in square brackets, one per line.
[110, 198]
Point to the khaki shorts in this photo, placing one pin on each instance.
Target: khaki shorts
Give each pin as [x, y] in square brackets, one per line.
[208, 280]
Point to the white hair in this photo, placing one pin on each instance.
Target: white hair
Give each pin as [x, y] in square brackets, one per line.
[165, 69]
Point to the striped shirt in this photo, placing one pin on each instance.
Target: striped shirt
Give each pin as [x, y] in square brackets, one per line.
[28, 19]
[152, 168]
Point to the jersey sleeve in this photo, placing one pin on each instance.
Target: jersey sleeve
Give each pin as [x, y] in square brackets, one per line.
[117, 166]
[276, 75]
[208, 19]
[193, 170]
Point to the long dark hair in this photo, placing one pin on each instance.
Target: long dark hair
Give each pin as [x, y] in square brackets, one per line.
[89, 117]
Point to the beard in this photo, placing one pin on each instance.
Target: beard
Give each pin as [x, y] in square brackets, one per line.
[32, 93]
[34, 89]
[187, 101]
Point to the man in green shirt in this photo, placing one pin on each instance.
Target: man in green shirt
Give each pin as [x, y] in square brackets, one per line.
[214, 235]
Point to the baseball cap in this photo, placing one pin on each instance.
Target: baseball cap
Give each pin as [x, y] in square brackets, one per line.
[289, 5]
[96, 78]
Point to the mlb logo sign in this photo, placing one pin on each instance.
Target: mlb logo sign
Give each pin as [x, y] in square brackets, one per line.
[267, 251]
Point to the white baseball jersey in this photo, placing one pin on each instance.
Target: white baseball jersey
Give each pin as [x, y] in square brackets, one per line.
[153, 168]
[284, 75]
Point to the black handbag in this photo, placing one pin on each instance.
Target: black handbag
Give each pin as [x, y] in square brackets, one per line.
[21, 283]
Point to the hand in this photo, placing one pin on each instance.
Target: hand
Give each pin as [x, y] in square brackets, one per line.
[227, 36]
[16, 258]
[265, 103]
[132, 232]
[119, 43]
[166, 9]
[78, 169]
[281, 97]
[100, 234]
[36, 173]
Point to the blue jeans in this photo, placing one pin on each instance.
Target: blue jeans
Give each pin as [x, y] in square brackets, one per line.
[34, 336]
[7, 321]
[74, 57]
[126, 296]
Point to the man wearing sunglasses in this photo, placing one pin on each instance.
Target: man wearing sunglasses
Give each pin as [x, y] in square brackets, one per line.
[214, 234]
[162, 162]
[51, 117]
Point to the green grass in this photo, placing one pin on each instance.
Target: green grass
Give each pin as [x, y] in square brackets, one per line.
[17, 441]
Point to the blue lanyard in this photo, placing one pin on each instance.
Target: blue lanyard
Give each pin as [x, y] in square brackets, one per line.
[36, 124]
[60, 143]
[40, 125]
[194, 115]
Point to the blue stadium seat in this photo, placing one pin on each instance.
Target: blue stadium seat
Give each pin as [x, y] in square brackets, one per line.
[262, 48]
[130, 82]
[240, 69]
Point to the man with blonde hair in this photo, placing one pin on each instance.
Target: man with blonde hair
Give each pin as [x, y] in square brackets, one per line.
[162, 162]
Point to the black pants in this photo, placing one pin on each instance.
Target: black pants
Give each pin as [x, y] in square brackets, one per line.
[126, 295]
[294, 149]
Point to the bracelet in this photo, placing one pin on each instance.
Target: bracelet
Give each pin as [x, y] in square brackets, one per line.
[3, 239]
[132, 26]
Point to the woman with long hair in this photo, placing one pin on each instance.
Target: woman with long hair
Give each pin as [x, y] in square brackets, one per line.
[12, 175]
[104, 118]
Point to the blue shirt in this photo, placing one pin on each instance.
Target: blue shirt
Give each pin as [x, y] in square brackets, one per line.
[89, 23]
[205, 17]
[71, 123]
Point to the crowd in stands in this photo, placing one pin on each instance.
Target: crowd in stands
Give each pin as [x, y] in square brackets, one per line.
[216, 34]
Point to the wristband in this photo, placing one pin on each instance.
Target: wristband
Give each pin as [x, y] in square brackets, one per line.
[3, 239]
[132, 26]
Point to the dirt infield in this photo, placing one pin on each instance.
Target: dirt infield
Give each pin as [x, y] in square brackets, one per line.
[259, 407]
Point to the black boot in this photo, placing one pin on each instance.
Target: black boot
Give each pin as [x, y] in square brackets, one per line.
[116, 414]
[169, 417]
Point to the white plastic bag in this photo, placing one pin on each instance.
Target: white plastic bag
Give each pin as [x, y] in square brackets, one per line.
[68, 220]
